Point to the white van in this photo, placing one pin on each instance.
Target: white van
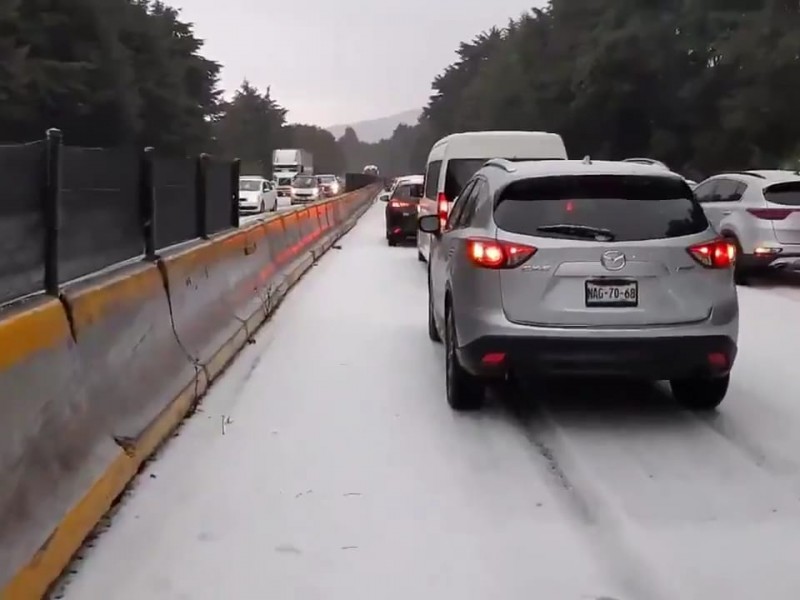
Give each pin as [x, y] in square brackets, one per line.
[454, 159]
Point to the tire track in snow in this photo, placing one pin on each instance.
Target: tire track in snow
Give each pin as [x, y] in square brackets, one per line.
[608, 532]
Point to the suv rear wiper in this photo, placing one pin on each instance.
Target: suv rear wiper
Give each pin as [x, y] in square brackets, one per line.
[581, 231]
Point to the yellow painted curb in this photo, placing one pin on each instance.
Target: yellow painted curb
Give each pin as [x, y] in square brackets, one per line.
[33, 581]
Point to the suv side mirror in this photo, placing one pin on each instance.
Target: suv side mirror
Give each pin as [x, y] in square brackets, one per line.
[384, 197]
[429, 224]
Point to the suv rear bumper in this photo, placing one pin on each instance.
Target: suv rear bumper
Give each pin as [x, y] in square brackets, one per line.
[658, 358]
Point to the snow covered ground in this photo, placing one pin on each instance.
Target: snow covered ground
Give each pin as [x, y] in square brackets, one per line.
[342, 474]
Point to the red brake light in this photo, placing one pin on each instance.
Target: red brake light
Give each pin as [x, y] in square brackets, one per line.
[719, 254]
[770, 214]
[442, 207]
[496, 254]
[398, 204]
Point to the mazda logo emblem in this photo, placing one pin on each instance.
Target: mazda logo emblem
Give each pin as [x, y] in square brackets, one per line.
[613, 260]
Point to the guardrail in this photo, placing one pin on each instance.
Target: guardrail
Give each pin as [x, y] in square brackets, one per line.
[95, 374]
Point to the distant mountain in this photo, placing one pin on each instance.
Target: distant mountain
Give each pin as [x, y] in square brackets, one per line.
[376, 130]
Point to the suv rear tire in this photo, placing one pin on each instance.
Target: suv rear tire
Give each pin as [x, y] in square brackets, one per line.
[465, 392]
[741, 274]
[699, 393]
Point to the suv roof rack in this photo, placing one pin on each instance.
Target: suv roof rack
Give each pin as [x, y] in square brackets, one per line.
[748, 173]
[501, 163]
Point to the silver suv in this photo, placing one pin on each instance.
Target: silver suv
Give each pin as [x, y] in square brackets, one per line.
[554, 268]
[759, 211]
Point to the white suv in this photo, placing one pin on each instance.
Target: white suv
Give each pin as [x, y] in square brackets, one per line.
[759, 211]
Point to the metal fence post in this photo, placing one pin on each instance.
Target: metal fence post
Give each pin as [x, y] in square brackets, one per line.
[201, 200]
[147, 202]
[52, 202]
[236, 168]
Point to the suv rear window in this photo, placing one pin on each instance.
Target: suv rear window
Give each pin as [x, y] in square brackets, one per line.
[787, 194]
[408, 191]
[630, 207]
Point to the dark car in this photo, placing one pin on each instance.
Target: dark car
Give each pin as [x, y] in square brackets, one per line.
[401, 209]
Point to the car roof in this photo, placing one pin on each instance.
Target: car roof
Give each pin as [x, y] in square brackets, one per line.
[410, 179]
[550, 168]
[761, 177]
[479, 144]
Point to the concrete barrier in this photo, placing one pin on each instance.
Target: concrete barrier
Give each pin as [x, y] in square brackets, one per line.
[133, 364]
[92, 383]
[49, 452]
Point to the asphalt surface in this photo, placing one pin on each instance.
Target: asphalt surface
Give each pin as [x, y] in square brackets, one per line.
[326, 465]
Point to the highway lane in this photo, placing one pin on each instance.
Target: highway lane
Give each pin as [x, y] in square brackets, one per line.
[284, 205]
[342, 473]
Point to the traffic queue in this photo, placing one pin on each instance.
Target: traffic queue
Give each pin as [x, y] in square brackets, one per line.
[540, 266]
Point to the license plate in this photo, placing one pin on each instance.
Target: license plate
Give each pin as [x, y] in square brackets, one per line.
[612, 293]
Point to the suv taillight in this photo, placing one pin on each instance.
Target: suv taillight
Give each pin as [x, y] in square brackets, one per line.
[441, 209]
[497, 254]
[719, 254]
[770, 214]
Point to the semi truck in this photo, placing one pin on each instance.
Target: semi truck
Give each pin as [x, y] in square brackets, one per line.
[287, 163]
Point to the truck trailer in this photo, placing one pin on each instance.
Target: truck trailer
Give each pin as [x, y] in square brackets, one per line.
[288, 163]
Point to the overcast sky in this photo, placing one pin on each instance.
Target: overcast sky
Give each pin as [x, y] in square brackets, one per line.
[341, 61]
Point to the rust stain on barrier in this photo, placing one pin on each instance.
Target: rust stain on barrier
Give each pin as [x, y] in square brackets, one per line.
[93, 302]
[29, 331]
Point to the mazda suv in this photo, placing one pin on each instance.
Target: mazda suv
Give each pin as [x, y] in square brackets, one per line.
[581, 268]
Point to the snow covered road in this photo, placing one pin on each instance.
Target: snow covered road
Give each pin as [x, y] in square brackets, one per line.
[342, 474]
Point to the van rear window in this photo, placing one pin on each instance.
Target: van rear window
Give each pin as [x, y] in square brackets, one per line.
[787, 193]
[461, 170]
[626, 207]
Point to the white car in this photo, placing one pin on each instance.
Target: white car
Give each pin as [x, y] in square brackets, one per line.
[305, 188]
[330, 185]
[257, 195]
[759, 211]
